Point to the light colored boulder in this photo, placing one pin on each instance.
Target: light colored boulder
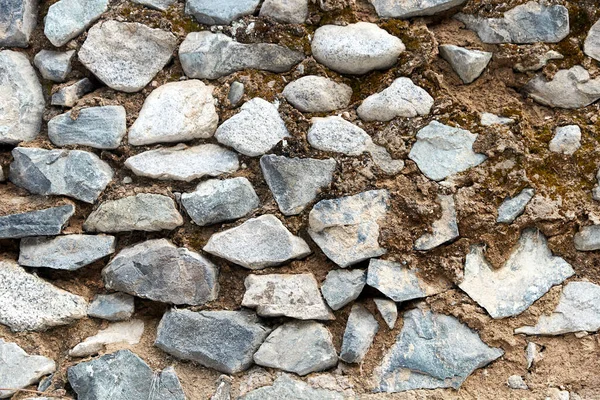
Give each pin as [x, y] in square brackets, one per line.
[287, 11]
[388, 310]
[511, 208]
[160, 5]
[129, 332]
[67, 19]
[54, 65]
[343, 286]
[317, 94]
[570, 88]
[413, 8]
[221, 12]
[468, 64]
[489, 119]
[286, 387]
[591, 46]
[566, 140]
[361, 329]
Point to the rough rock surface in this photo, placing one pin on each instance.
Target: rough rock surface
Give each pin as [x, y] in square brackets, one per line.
[54, 65]
[221, 12]
[588, 238]
[286, 387]
[46, 222]
[489, 119]
[591, 46]
[343, 286]
[511, 208]
[286, 11]
[161, 5]
[361, 329]
[317, 94]
[66, 19]
[566, 140]
[129, 332]
[388, 310]
[17, 21]
[67, 96]
[516, 382]
[570, 88]
[468, 64]
[444, 230]
[412, 8]
[112, 307]
[236, 93]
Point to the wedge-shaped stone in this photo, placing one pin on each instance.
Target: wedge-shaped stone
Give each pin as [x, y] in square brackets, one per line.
[444, 230]
[129, 332]
[112, 307]
[412, 8]
[17, 22]
[221, 12]
[588, 238]
[68, 95]
[511, 208]
[591, 46]
[343, 286]
[361, 329]
[47, 222]
[286, 387]
[530, 271]
[67, 19]
[468, 64]
[570, 88]
[388, 310]
[317, 94]
[54, 65]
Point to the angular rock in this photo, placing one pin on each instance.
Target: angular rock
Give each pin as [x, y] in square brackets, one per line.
[47, 222]
[441, 151]
[388, 310]
[112, 307]
[511, 208]
[255, 130]
[317, 94]
[570, 88]
[420, 357]
[401, 99]
[343, 286]
[588, 238]
[530, 271]
[222, 340]
[361, 329]
[356, 48]
[301, 347]
[123, 376]
[97, 127]
[527, 23]
[21, 97]
[286, 387]
[176, 112]
[69, 252]
[287, 11]
[468, 64]
[68, 96]
[236, 92]
[160, 5]
[566, 140]
[17, 21]
[75, 173]
[19, 369]
[129, 332]
[578, 310]
[221, 12]
[516, 382]
[291, 295]
[67, 19]
[412, 8]
[54, 65]
[591, 46]
[489, 119]
[444, 230]
[29, 303]
[182, 163]
[142, 212]
[159, 271]
[207, 55]
[126, 55]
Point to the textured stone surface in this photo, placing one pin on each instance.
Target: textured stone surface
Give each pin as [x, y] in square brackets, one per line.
[343, 286]
[591, 46]
[257, 243]
[46, 222]
[161, 5]
[287, 11]
[566, 140]
[588, 238]
[129, 332]
[538, 62]
[530, 271]
[511, 208]
[388, 310]
[28, 303]
[75, 173]
[285, 387]
[516, 382]
[112, 307]
[66, 19]
[361, 329]
[489, 119]
[97, 127]
[67, 96]
[412, 8]
[54, 65]
[444, 229]
[222, 340]
[236, 92]
[468, 64]
[356, 48]
[17, 21]
[317, 94]
[570, 88]
[126, 55]
[221, 12]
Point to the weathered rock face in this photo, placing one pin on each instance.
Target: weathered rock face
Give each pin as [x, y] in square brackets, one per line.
[489, 119]
[129, 332]
[54, 65]
[343, 286]
[287, 11]
[530, 271]
[68, 96]
[412, 8]
[511, 208]
[570, 88]
[588, 238]
[361, 329]
[286, 387]
[444, 229]
[207, 55]
[468, 64]
[161, 5]
[112, 307]
[591, 46]
[47, 222]
[566, 140]
[236, 93]
[317, 94]
[17, 21]
[388, 310]
[219, 13]
[222, 340]
[66, 19]
[159, 271]
[126, 55]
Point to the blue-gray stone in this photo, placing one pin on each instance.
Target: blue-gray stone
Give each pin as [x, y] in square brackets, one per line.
[511, 208]
[343, 286]
[361, 329]
[221, 12]
[67, 19]
[285, 387]
[54, 65]
[236, 92]
[68, 95]
[314, 93]
[112, 307]
[388, 310]
[46, 222]
[444, 229]
[19, 369]
[17, 21]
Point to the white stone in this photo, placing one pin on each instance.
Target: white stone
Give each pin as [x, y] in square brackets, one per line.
[66, 19]
[570, 88]
[17, 22]
[517, 382]
[412, 8]
[317, 94]
[566, 140]
[129, 332]
[287, 11]
[468, 64]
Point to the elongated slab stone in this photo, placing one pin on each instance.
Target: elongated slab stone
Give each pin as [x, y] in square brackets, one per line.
[361, 329]
[511, 208]
[129, 332]
[412, 8]
[286, 387]
[67, 19]
[17, 22]
[444, 229]
[47, 222]
[591, 46]
[317, 94]
[160, 5]
[112, 307]
[570, 88]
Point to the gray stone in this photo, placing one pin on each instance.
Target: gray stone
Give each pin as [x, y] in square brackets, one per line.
[207, 55]
[343, 286]
[182, 163]
[516, 382]
[287, 11]
[443, 230]
[442, 151]
[126, 55]
[74, 173]
[160, 5]
[30, 303]
[317, 94]
[69, 252]
[532, 354]
[570, 88]
[160, 271]
[47, 222]
[221, 12]
[21, 97]
[112, 307]
[17, 21]
[361, 329]
[67, 19]
[123, 376]
[19, 369]
[68, 95]
[255, 130]
[566, 140]
[489, 119]
[347, 228]
[388, 310]
[291, 295]
[401, 99]
[54, 65]
[530, 271]
[511, 208]
[591, 46]
[142, 212]
[97, 127]
[356, 48]
[527, 23]
[128, 333]
[222, 340]
[588, 238]
[176, 112]
[285, 387]
[420, 357]
[223, 391]
[468, 64]
[301, 347]
[236, 92]
[412, 8]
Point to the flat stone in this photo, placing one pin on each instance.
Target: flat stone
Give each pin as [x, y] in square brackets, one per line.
[222, 340]
[444, 229]
[527, 23]
[291, 295]
[160, 5]
[468, 64]
[286, 387]
[570, 88]
[182, 163]
[441, 151]
[236, 92]
[129, 332]
[296, 182]
[317, 94]
[388, 310]
[255, 130]
[19, 369]
[413, 8]
[343, 286]
[142, 212]
[511, 208]
[97, 127]
[207, 55]
[530, 271]
[588, 238]
[126, 55]
[222, 12]
[21, 97]
[578, 310]
[68, 95]
[489, 119]
[355, 48]
[216, 201]
[591, 46]
[301, 347]
[54, 65]
[112, 307]
[74, 173]
[361, 329]
[29, 303]
[17, 22]
[67, 19]
[516, 382]
[123, 376]
[401, 99]
[158, 270]
[566, 140]
[176, 112]
[257, 243]
[419, 358]
[286, 11]
[47, 222]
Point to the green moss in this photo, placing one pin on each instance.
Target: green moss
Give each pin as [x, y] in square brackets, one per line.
[181, 22]
[401, 29]
[336, 16]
